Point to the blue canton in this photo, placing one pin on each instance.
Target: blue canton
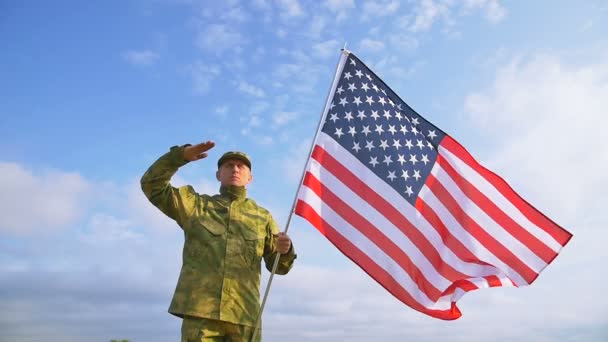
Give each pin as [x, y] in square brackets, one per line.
[368, 119]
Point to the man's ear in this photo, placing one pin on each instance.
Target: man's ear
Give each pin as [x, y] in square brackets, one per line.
[217, 175]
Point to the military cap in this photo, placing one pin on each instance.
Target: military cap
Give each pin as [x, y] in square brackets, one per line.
[234, 155]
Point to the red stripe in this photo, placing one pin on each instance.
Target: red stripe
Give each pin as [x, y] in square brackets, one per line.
[372, 233]
[561, 235]
[495, 247]
[447, 237]
[499, 216]
[369, 266]
[463, 284]
[388, 211]
[493, 281]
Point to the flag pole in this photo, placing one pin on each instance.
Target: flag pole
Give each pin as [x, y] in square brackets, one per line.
[339, 67]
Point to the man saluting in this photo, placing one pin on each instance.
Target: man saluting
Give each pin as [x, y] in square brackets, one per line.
[225, 238]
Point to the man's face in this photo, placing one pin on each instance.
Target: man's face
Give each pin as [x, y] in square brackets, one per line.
[234, 172]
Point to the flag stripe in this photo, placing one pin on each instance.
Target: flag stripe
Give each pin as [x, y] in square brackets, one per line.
[383, 277]
[447, 263]
[532, 214]
[373, 234]
[361, 244]
[486, 223]
[471, 242]
[343, 170]
[479, 233]
[497, 214]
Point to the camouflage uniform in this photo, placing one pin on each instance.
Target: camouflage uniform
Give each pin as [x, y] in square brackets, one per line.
[225, 238]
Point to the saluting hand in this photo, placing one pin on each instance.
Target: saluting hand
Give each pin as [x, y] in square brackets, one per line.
[199, 151]
[283, 243]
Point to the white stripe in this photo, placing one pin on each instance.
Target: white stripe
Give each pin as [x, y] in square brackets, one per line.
[485, 222]
[409, 212]
[368, 212]
[470, 241]
[365, 246]
[502, 202]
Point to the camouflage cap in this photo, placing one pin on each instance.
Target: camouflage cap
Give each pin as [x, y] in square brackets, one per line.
[234, 155]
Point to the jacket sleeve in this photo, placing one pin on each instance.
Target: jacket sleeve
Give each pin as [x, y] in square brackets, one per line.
[285, 260]
[177, 203]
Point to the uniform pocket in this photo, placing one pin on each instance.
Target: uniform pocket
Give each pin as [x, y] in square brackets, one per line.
[213, 227]
[255, 242]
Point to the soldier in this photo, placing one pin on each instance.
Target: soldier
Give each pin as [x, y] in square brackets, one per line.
[225, 238]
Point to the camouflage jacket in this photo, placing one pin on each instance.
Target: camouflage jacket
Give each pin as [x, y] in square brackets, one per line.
[225, 238]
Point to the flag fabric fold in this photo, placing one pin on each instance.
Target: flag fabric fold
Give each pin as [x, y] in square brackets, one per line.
[409, 205]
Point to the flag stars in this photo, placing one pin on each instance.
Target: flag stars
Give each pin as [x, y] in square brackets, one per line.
[417, 174]
[343, 101]
[415, 121]
[408, 144]
[413, 159]
[384, 144]
[375, 87]
[414, 130]
[361, 115]
[379, 129]
[420, 144]
[351, 87]
[348, 116]
[405, 175]
[352, 131]
[364, 87]
[425, 159]
[373, 161]
[369, 145]
[401, 159]
[391, 128]
[382, 101]
[366, 130]
[432, 135]
[352, 62]
[339, 132]
[358, 100]
[358, 73]
[369, 100]
[340, 90]
[398, 115]
[356, 147]
[387, 114]
[334, 117]
[429, 145]
[332, 105]
[387, 160]
[368, 77]
[403, 129]
[391, 175]
[409, 191]
[396, 143]
[375, 114]
[348, 76]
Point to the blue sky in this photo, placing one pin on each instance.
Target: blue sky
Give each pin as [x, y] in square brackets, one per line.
[91, 93]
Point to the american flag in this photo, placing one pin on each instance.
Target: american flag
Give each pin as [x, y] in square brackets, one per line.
[409, 205]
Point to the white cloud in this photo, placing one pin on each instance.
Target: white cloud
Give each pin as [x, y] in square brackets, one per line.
[141, 57]
[203, 74]
[426, 13]
[218, 38]
[553, 111]
[104, 228]
[339, 5]
[494, 11]
[290, 9]
[326, 49]
[283, 118]
[221, 110]
[317, 25]
[379, 8]
[250, 89]
[39, 203]
[370, 45]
